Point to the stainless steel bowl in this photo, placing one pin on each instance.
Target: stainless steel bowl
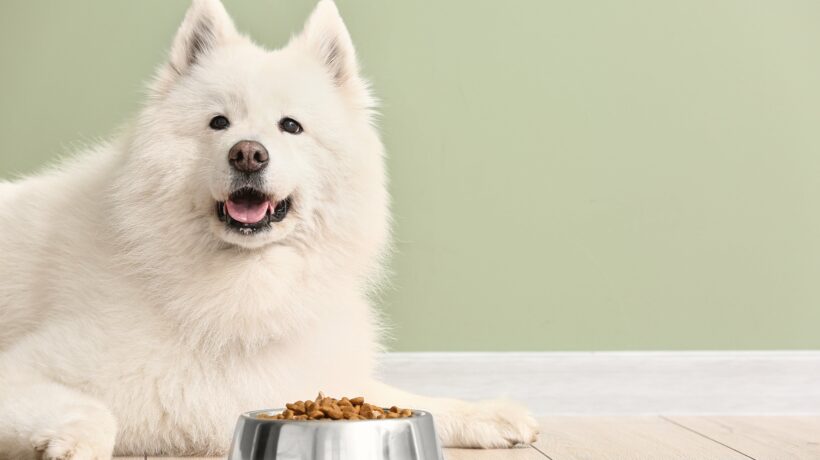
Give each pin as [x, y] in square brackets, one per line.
[410, 438]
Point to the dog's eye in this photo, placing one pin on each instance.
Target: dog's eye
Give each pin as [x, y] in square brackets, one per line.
[289, 125]
[219, 122]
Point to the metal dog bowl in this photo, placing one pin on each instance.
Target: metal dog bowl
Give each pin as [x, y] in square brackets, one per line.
[409, 438]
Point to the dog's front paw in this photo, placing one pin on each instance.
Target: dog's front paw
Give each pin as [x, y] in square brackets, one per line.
[80, 440]
[487, 424]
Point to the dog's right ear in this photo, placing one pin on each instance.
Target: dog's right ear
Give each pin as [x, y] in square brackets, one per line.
[206, 26]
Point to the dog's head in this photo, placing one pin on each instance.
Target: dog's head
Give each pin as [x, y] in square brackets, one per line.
[255, 146]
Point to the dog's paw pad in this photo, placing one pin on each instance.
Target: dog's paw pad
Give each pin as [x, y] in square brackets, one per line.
[517, 424]
[62, 447]
[491, 424]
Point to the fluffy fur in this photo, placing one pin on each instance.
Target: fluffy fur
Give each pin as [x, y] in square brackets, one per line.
[133, 321]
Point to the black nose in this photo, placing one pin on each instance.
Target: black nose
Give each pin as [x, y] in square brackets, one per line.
[248, 156]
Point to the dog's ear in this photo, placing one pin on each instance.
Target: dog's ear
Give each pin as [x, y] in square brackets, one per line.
[206, 26]
[327, 38]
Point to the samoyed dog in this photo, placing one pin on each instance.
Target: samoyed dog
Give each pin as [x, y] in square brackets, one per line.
[215, 258]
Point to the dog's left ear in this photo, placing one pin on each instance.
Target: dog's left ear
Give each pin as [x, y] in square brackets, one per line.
[326, 36]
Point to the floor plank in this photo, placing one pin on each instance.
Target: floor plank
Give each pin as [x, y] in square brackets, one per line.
[521, 453]
[761, 436]
[635, 437]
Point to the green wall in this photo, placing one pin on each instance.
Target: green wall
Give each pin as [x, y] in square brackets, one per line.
[575, 175]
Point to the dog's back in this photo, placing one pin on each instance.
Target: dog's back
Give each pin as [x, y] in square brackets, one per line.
[47, 239]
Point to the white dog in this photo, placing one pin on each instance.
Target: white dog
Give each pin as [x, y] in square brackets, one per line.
[215, 258]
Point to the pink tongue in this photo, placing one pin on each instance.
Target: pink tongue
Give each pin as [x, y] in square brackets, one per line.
[246, 212]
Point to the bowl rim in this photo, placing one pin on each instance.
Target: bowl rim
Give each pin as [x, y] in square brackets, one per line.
[417, 413]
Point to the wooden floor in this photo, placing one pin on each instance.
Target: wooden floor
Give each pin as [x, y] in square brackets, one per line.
[664, 437]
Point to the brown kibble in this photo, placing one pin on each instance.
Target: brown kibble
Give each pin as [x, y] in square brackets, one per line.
[327, 408]
[298, 407]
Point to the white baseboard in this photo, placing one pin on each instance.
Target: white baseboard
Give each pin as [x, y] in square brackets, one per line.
[620, 383]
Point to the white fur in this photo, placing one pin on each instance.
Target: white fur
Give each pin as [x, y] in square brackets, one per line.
[132, 321]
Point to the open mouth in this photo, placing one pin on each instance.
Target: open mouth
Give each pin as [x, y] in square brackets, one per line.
[248, 210]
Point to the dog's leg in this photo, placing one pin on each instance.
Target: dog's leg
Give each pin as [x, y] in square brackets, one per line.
[52, 422]
[485, 424]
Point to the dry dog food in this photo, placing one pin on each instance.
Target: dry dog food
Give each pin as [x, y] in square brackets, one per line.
[325, 408]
